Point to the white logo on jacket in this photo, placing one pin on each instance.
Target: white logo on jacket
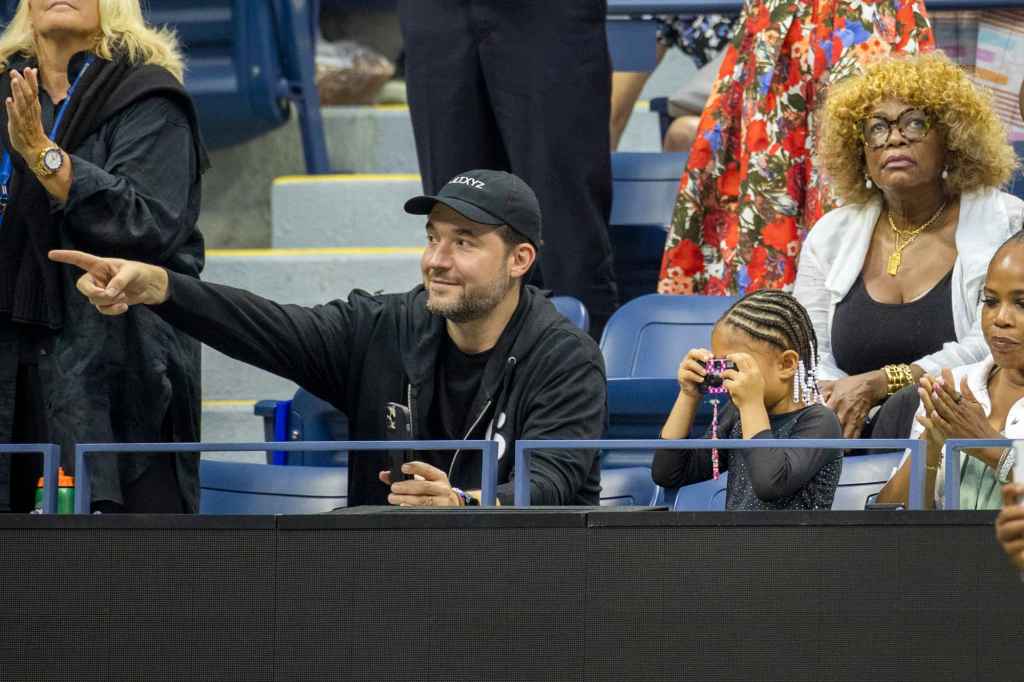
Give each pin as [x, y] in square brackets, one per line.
[497, 437]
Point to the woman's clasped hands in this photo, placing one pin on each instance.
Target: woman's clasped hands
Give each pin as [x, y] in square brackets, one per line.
[951, 411]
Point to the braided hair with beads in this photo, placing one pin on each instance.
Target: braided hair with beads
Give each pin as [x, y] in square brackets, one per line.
[778, 319]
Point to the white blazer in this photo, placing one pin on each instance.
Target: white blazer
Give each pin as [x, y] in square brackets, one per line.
[833, 256]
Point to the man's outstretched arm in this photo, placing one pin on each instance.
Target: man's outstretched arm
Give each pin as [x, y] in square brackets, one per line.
[306, 345]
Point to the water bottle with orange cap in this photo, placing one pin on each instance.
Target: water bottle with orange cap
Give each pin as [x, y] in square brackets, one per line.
[65, 493]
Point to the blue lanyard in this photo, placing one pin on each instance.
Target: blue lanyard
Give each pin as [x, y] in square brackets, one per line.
[7, 168]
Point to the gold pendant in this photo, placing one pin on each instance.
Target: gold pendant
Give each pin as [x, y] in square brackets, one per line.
[894, 263]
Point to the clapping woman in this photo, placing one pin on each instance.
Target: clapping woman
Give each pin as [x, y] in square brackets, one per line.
[101, 152]
[980, 400]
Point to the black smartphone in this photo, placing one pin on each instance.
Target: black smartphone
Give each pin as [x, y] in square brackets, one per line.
[398, 425]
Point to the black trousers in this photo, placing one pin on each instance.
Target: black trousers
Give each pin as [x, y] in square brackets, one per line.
[156, 491]
[522, 86]
[29, 427]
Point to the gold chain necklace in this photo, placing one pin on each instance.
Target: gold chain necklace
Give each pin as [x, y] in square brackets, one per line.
[904, 237]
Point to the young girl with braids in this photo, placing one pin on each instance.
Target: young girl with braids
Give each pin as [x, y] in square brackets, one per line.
[774, 394]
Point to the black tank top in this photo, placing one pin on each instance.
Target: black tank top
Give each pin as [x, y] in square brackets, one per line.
[867, 334]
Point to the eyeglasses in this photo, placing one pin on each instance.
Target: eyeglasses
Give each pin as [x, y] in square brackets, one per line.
[913, 124]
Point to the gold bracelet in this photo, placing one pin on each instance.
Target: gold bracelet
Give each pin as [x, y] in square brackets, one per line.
[896, 377]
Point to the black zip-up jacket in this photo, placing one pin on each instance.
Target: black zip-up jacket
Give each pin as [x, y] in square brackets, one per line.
[544, 380]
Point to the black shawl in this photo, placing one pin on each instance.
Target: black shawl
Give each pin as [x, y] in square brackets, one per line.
[30, 226]
[130, 378]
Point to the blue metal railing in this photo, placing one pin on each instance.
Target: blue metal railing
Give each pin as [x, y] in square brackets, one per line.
[952, 463]
[488, 448]
[916, 447]
[51, 460]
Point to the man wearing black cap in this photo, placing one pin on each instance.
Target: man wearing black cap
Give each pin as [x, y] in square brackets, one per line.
[471, 353]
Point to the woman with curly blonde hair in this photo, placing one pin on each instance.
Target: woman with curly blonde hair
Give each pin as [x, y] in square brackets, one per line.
[892, 279]
[101, 150]
[751, 190]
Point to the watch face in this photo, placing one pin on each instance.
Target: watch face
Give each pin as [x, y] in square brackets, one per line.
[53, 159]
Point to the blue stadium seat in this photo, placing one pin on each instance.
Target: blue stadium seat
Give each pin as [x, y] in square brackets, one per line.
[304, 417]
[648, 336]
[244, 488]
[573, 310]
[642, 345]
[638, 406]
[246, 60]
[627, 486]
[863, 475]
[644, 189]
[704, 496]
[632, 44]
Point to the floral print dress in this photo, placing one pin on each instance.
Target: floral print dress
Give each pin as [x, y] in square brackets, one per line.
[750, 190]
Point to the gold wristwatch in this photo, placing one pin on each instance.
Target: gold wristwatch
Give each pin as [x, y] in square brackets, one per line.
[49, 162]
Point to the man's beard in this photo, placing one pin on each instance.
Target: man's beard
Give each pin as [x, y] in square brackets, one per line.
[475, 303]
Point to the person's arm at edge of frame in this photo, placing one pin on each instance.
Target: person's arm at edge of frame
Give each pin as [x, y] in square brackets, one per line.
[1009, 525]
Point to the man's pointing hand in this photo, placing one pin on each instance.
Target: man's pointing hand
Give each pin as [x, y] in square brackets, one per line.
[113, 284]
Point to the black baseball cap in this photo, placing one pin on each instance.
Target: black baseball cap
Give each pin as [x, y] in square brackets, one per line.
[490, 197]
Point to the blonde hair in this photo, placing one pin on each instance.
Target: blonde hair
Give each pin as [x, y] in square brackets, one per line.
[122, 31]
[978, 154]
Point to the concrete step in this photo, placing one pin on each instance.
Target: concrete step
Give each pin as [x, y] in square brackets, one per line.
[236, 190]
[345, 211]
[304, 277]
[674, 70]
[227, 379]
[310, 276]
[375, 139]
[232, 421]
[643, 132]
[236, 210]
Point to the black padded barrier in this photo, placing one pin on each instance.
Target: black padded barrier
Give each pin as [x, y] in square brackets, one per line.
[433, 595]
[136, 598]
[839, 596]
[539, 594]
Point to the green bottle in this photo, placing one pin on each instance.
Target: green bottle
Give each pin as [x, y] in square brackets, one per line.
[65, 493]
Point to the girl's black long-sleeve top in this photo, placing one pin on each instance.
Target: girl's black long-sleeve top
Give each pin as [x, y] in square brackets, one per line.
[773, 478]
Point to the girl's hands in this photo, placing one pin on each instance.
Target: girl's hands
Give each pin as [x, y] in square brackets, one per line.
[691, 373]
[745, 383]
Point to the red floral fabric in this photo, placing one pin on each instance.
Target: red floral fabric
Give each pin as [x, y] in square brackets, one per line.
[750, 190]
